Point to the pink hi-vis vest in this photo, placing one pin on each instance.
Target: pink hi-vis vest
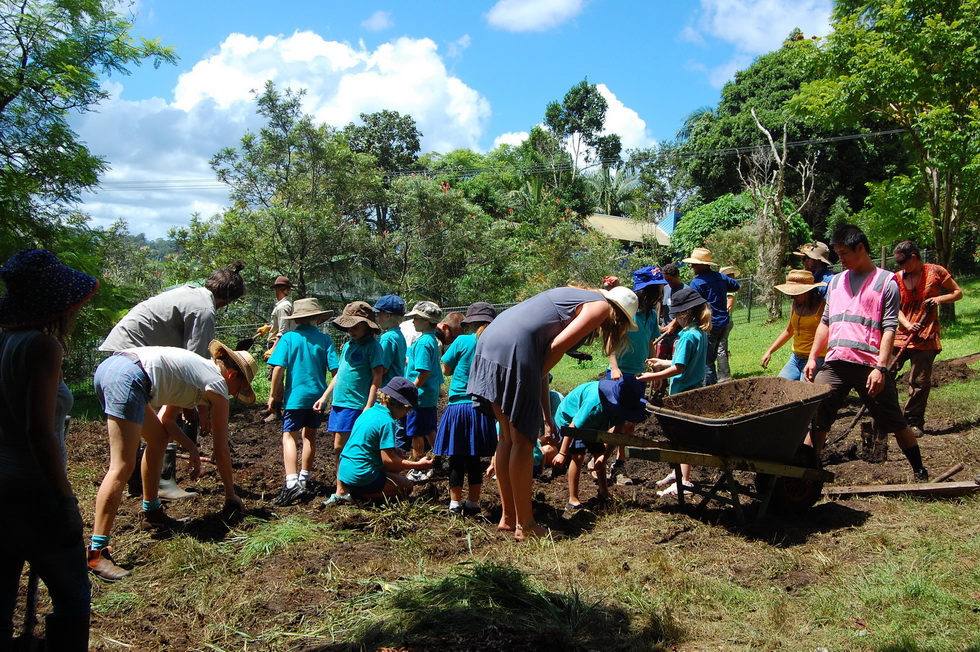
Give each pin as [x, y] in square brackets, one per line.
[855, 319]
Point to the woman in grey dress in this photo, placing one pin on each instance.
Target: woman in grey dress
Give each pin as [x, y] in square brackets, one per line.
[510, 377]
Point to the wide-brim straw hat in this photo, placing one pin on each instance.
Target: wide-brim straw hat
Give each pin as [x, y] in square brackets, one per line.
[308, 307]
[815, 250]
[40, 289]
[245, 364]
[626, 300]
[700, 256]
[798, 281]
[729, 271]
[356, 312]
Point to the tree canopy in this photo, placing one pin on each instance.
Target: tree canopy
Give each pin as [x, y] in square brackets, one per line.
[52, 57]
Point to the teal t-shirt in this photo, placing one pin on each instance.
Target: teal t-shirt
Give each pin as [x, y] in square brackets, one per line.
[690, 350]
[393, 350]
[584, 408]
[374, 431]
[459, 356]
[358, 359]
[635, 350]
[424, 356]
[306, 354]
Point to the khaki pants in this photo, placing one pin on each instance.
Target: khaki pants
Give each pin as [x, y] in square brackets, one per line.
[920, 383]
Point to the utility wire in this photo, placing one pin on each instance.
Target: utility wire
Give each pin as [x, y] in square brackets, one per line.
[151, 185]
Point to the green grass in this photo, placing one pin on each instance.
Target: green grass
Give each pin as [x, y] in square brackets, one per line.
[270, 537]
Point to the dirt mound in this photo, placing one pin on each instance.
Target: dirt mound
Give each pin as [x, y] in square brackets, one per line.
[946, 372]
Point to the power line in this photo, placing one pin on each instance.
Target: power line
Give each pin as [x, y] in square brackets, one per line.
[151, 185]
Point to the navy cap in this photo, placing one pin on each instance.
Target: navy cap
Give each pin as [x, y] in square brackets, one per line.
[391, 304]
[402, 390]
[646, 276]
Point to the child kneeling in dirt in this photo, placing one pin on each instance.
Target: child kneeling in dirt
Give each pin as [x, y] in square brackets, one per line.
[686, 369]
[371, 462]
[598, 405]
[299, 364]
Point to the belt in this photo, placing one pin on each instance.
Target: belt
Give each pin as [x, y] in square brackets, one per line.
[139, 363]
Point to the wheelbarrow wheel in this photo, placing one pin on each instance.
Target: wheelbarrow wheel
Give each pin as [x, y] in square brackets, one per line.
[792, 495]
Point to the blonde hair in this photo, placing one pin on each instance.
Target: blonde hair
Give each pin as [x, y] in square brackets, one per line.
[614, 329]
[701, 315]
[389, 401]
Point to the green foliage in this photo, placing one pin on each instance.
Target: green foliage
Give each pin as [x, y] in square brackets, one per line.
[53, 56]
[729, 213]
[894, 211]
[299, 193]
[916, 65]
[577, 122]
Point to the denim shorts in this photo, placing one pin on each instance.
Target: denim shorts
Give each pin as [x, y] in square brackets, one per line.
[296, 420]
[123, 388]
[342, 419]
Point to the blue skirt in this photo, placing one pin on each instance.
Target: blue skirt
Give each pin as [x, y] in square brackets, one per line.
[464, 431]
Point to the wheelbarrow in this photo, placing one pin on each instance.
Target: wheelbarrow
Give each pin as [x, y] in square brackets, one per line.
[752, 425]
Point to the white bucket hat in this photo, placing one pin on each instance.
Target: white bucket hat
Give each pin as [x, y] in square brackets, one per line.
[626, 300]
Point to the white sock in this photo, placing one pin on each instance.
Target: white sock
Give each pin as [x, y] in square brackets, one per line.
[453, 504]
[291, 480]
[304, 476]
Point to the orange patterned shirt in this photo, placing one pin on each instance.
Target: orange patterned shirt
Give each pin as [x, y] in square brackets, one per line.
[930, 285]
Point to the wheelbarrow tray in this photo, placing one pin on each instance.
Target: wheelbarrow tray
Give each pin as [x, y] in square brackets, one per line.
[762, 418]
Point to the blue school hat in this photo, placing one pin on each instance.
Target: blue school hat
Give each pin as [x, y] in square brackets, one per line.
[391, 304]
[647, 276]
[403, 390]
[624, 398]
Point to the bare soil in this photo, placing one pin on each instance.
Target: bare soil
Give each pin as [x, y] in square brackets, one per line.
[257, 456]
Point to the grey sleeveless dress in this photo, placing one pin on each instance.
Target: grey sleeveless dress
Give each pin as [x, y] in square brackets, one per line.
[507, 365]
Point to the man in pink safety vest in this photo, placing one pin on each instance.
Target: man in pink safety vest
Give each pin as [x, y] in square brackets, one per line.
[858, 328]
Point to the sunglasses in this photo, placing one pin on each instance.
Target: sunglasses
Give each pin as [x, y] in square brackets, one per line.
[901, 262]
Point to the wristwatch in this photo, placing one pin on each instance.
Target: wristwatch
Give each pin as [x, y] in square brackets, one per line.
[882, 368]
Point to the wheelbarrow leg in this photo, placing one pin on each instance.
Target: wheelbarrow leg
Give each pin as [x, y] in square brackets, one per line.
[30, 609]
[679, 481]
[766, 496]
[734, 493]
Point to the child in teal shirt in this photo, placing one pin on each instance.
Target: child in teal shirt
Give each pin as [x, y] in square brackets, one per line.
[425, 370]
[358, 378]
[299, 365]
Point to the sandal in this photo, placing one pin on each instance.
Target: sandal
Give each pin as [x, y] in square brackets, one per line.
[667, 479]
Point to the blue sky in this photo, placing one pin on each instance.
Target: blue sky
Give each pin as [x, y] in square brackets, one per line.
[472, 73]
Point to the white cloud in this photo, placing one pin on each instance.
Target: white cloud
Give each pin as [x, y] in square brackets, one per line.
[754, 27]
[622, 120]
[513, 138]
[213, 105]
[456, 47]
[379, 20]
[532, 15]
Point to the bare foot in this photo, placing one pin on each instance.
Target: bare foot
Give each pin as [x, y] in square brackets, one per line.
[504, 526]
[531, 531]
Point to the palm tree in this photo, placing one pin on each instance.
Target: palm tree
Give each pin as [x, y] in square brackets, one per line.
[613, 192]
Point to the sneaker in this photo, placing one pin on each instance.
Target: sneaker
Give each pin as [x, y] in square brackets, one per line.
[456, 511]
[338, 499]
[418, 475]
[101, 564]
[471, 511]
[922, 475]
[616, 469]
[156, 520]
[289, 495]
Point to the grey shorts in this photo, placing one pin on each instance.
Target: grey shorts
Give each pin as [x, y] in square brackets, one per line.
[845, 376]
[123, 388]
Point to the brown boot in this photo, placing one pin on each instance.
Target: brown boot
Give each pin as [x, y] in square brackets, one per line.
[157, 520]
[101, 564]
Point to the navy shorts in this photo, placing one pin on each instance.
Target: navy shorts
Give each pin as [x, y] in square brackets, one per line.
[373, 487]
[123, 388]
[295, 420]
[421, 422]
[342, 419]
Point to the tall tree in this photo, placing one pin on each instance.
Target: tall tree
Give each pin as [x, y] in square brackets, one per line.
[393, 140]
[578, 121]
[713, 141]
[299, 193]
[52, 58]
[915, 64]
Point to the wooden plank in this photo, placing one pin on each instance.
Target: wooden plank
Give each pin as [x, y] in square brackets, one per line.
[950, 489]
[672, 456]
[604, 437]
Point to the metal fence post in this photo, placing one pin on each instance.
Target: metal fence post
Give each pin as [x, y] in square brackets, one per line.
[749, 311]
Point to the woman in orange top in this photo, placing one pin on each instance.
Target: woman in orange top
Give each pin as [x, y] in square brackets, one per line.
[807, 310]
[923, 286]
